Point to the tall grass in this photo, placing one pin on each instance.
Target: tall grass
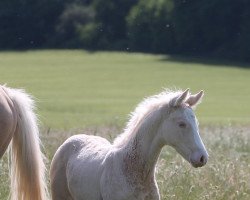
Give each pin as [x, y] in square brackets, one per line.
[225, 177]
[4, 179]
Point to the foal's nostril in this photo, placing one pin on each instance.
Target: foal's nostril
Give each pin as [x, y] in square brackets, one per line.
[202, 159]
[198, 159]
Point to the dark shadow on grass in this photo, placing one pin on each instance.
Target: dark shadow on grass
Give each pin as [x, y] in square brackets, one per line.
[216, 62]
[207, 60]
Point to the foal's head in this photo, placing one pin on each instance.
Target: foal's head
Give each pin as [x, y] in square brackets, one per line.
[180, 128]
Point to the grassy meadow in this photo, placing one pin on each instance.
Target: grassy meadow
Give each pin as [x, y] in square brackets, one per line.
[78, 91]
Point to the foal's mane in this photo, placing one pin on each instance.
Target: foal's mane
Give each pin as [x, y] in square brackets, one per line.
[159, 105]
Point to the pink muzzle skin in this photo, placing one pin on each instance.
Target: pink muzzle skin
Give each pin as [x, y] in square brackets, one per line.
[198, 159]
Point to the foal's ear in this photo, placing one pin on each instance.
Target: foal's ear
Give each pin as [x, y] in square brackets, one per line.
[181, 98]
[195, 99]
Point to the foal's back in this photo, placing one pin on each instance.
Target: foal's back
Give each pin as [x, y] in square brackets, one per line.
[77, 167]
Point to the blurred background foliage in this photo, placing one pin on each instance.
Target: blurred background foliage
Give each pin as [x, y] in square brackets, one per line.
[216, 28]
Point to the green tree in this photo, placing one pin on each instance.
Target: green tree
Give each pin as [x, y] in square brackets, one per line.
[206, 26]
[111, 20]
[150, 26]
[27, 23]
[71, 23]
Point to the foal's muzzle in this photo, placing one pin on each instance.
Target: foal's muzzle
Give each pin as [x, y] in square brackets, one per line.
[198, 159]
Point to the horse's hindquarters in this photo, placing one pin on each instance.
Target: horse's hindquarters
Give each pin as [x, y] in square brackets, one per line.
[77, 166]
[8, 121]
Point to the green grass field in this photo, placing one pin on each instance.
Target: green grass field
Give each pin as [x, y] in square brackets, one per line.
[79, 91]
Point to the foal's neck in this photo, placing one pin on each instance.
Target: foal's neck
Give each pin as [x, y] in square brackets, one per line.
[142, 153]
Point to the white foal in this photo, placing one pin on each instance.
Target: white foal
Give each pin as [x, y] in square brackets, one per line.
[90, 168]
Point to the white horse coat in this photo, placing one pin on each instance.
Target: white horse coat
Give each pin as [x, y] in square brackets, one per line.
[91, 168]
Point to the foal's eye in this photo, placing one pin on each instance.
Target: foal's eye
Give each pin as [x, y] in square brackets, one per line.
[182, 125]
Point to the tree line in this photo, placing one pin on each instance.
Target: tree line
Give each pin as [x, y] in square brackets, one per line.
[217, 28]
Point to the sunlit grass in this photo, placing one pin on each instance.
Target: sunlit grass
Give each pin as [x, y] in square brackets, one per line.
[76, 90]
[81, 89]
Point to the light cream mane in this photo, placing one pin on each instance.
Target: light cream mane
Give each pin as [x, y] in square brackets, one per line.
[155, 106]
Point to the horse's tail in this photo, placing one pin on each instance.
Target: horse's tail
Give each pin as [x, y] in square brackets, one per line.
[27, 168]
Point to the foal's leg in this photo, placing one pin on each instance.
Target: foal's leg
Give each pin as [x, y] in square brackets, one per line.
[59, 184]
[59, 187]
[153, 193]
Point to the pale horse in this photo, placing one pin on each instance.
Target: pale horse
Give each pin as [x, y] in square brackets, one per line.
[91, 168]
[18, 126]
